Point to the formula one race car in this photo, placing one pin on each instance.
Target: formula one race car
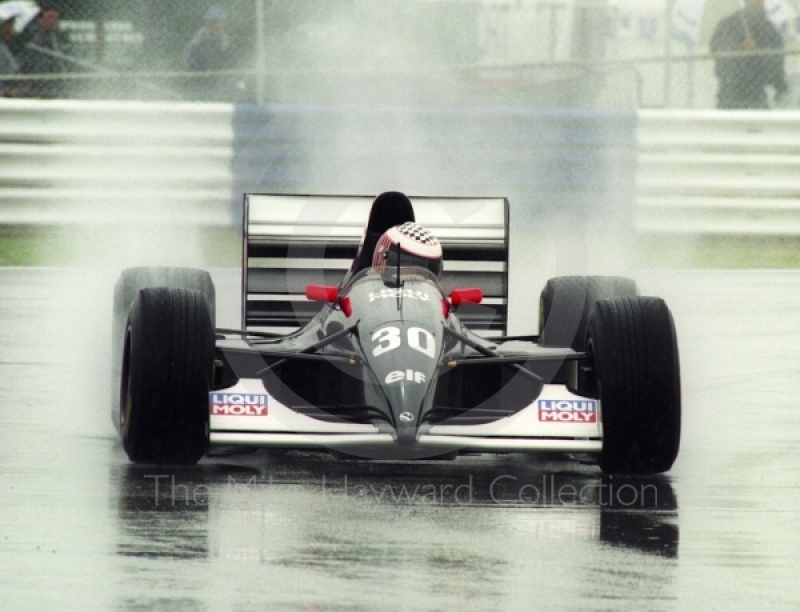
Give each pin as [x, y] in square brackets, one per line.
[390, 343]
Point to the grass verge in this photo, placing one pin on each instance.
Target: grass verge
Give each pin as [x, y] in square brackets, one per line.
[58, 246]
[718, 252]
[221, 246]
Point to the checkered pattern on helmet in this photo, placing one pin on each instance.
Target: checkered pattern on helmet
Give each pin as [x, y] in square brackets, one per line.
[418, 233]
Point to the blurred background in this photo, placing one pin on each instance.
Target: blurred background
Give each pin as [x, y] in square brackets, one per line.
[612, 53]
[598, 120]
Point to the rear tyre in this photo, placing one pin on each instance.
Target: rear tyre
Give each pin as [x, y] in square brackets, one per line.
[167, 369]
[130, 282]
[634, 348]
[562, 306]
[565, 303]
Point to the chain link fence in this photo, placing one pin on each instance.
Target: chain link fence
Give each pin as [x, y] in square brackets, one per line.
[706, 54]
[573, 53]
[134, 50]
[693, 81]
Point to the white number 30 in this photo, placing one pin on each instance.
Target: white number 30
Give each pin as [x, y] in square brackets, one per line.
[388, 339]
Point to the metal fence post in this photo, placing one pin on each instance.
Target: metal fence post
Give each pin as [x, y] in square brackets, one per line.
[261, 64]
[667, 50]
[690, 77]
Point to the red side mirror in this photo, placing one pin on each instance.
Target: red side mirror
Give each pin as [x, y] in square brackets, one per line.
[322, 293]
[473, 295]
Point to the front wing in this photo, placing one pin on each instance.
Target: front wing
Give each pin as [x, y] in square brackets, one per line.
[557, 421]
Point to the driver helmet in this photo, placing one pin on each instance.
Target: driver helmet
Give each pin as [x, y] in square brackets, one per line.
[408, 244]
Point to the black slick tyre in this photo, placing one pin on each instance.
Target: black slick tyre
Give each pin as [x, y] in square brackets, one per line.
[562, 306]
[634, 351]
[565, 303]
[167, 369]
[130, 282]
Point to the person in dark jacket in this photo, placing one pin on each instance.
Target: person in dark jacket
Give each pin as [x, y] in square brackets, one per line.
[743, 79]
[210, 51]
[8, 63]
[44, 54]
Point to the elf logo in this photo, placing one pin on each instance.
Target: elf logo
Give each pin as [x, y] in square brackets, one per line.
[577, 411]
[409, 375]
[238, 404]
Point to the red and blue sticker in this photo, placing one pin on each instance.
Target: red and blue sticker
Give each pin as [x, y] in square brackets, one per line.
[238, 404]
[567, 411]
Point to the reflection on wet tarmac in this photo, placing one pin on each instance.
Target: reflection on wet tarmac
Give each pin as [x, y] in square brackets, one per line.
[154, 526]
[463, 530]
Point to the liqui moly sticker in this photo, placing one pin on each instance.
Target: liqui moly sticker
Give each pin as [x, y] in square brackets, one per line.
[561, 411]
[238, 404]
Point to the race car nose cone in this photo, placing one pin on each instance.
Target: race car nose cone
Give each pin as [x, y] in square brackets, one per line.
[405, 398]
[403, 356]
[406, 436]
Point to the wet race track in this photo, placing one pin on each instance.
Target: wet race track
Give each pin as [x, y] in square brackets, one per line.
[83, 529]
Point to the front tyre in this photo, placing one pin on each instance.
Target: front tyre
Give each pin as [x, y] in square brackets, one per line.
[130, 282]
[634, 347]
[167, 370]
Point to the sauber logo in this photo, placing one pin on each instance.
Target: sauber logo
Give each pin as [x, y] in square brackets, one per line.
[238, 404]
[395, 293]
[578, 411]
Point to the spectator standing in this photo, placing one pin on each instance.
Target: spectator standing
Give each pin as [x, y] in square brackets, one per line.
[743, 79]
[44, 54]
[210, 51]
[8, 64]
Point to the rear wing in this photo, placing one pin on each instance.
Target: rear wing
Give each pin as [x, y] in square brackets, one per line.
[291, 241]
